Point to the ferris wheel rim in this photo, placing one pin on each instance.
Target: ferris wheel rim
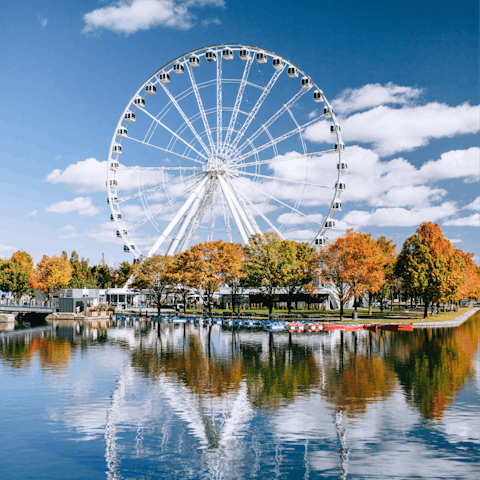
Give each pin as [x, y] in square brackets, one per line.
[201, 52]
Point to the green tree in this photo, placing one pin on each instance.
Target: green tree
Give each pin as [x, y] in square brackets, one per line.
[265, 266]
[15, 274]
[301, 268]
[82, 276]
[153, 274]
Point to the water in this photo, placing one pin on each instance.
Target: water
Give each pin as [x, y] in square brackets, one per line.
[147, 401]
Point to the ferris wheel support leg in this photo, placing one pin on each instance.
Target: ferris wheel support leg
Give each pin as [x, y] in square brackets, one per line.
[177, 217]
[231, 205]
[186, 222]
[240, 209]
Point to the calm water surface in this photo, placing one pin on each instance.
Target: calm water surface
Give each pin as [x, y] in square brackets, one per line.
[146, 401]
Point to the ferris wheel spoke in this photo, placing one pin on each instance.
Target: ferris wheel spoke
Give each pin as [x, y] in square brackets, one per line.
[219, 101]
[277, 140]
[173, 133]
[286, 159]
[256, 108]
[185, 118]
[200, 107]
[147, 144]
[273, 118]
[171, 202]
[158, 187]
[279, 201]
[238, 101]
[285, 180]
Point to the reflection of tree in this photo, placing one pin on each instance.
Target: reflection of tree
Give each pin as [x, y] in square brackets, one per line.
[202, 374]
[358, 382]
[280, 375]
[54, 353]
[435, 365]
[16, 353]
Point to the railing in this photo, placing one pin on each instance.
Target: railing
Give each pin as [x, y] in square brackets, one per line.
[30, 303]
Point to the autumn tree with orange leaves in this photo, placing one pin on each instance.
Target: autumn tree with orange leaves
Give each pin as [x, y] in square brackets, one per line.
[352, 265]
[51, 274]
[430, 266]
[213, 264]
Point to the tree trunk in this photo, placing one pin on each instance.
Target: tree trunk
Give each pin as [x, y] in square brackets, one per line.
[370, 304]
[391, 299]
[289, 303]
[425, 307]
[341, 309]
[270, 304]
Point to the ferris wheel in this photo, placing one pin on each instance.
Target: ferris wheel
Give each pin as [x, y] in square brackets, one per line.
[225, 142]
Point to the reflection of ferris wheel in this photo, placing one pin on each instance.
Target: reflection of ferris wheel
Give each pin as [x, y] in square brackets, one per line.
[216, 144]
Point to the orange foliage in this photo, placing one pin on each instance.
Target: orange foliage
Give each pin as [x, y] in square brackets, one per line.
[51, 274]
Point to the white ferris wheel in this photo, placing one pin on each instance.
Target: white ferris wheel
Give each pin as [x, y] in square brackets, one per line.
[217, 144]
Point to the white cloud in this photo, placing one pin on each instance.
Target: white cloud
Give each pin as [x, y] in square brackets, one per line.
[211, 21]
[297, 219]
[43, 22]
[82, 205]
[394, 130]
[31, 214]
[87, 176]
[6, 248]
[399, 217]
[475, 205]
[372, 95]
[90, 176]
[130, 16]
[301, 235]
[455, 240]
[453, 164]
[73, 232]
[471, 221]
[398, 183]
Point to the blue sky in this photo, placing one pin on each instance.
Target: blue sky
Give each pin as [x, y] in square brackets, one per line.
[403, 79]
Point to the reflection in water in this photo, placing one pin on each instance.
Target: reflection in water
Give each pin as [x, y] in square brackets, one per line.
[434, 364]
[207, 402]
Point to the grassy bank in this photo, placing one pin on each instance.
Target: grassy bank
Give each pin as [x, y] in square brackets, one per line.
[377, 316]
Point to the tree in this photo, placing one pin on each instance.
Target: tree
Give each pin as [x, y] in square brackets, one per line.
[102, 276]
[51, 274]
[389, 251]
[471, 285]
[15, 274]
[181, 276]
[301, 266]
[122, 273]
[82, 275]
[353, 265]
[423, 263]
[152, 274]
[265, 265]
[214, 263]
